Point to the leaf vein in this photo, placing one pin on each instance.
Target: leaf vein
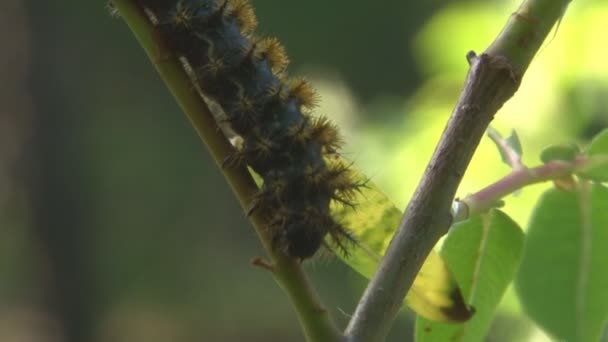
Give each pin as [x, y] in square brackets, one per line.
[584, 257]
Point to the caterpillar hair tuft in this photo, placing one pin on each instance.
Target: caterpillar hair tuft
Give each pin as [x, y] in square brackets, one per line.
[292, 150]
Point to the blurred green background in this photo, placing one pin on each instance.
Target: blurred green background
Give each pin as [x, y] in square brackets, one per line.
[115, 224]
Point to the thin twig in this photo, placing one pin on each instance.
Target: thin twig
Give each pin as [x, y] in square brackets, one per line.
[511, 156]
[517, 179]
[316, 322]
[493, 78]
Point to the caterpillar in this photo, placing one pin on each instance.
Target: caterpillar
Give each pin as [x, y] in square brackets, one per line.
[288, 147]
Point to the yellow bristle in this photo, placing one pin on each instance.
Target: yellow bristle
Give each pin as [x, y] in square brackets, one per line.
[264, 147]
[182, 15]
[246, 103]
[214, 66]
[304, 92]
[244, 14]
[314, 175]
[274, 51]
[300, 131]
[327, 134]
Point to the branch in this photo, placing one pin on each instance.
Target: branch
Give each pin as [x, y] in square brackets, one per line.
[493, 78]
[489, 196]
[315, 320]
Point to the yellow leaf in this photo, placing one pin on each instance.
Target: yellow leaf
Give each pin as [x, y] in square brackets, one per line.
[434, 295]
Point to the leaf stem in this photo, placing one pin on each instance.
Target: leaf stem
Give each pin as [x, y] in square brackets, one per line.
[288, 273]
[493, 78]
[518, 178]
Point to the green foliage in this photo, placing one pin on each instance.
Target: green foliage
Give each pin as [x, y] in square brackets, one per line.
[564, 152]
[562, 281]
[483, 253]
[598, 148]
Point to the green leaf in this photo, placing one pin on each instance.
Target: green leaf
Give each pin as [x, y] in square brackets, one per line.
[598, 148]
[562, 282]
[483, 253]
[435, 293]
[565, 152]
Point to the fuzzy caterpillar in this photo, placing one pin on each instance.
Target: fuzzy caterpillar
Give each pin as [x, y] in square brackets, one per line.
[282, 142]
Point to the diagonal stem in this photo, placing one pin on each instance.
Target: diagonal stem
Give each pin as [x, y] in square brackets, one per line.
[289, 274]
[493, 78]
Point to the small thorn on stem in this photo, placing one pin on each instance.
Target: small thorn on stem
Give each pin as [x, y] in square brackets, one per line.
[471, 57]
[259, 262]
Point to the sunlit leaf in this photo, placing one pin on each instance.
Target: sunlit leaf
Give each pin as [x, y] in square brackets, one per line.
[598, 147]
[563, 281]
[483, 254]
[434, 293]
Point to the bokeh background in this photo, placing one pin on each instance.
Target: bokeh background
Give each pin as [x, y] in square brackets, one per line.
[115, 224]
